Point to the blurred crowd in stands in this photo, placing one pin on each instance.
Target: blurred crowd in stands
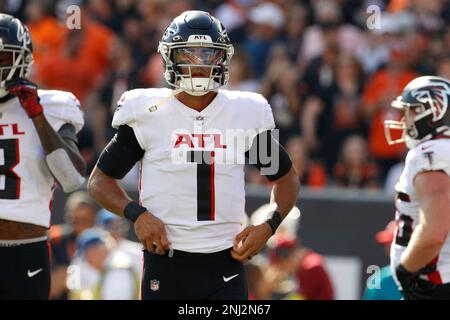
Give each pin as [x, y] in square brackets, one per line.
[328, 69]
[91, 257]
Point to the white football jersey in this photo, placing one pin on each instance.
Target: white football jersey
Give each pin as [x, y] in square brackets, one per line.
[201, 203]
[433, 155]
[26, 184]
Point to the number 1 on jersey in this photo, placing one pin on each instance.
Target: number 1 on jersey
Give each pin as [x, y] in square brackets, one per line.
[9, 180]
[205, 183]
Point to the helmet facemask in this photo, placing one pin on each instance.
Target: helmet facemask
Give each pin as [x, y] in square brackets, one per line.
[196, 68]
[19, 67]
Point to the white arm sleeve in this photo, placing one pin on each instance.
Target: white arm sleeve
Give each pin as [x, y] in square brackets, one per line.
[63, 170]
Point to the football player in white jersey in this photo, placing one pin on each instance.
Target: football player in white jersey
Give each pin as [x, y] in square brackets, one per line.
[192, 200]
[37, 150]
[420, 253]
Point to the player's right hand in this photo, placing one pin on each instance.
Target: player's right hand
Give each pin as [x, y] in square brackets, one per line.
[152, 232]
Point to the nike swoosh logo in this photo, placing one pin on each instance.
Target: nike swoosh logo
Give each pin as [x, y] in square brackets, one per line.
[230, 278]
[31, 274]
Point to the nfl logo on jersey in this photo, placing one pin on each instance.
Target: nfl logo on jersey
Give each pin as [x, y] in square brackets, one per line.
[154, 285]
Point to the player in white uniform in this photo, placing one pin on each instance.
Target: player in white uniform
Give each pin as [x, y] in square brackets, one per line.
[420, 254]
[37, 150]
[192, 144]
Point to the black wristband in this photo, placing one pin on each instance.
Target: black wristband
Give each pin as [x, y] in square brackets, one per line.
[274, 220]
[402, 269]
[133, 210]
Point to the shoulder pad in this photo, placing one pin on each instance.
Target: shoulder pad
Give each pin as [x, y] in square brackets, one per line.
[255, 104]
[430, 156]
[61, 107]
[135, 103]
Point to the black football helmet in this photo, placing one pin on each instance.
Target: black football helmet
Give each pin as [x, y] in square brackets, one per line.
[428, 97]
[15, 39]
[195, 41]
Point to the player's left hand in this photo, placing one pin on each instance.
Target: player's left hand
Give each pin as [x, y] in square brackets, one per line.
[414, 288]
[253, 240]
[27, 93]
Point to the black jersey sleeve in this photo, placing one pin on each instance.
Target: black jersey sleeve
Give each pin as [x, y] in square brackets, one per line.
[121, 154]
[269, 156]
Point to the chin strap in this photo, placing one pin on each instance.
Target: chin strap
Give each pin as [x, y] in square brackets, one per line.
[63, 170]
[205, 85]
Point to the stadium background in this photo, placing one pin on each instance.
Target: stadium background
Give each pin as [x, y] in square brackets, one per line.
[329, 69]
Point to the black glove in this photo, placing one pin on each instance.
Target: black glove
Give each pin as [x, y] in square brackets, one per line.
[414, 288]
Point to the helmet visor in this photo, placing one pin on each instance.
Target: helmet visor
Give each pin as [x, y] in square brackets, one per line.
[198, 56]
